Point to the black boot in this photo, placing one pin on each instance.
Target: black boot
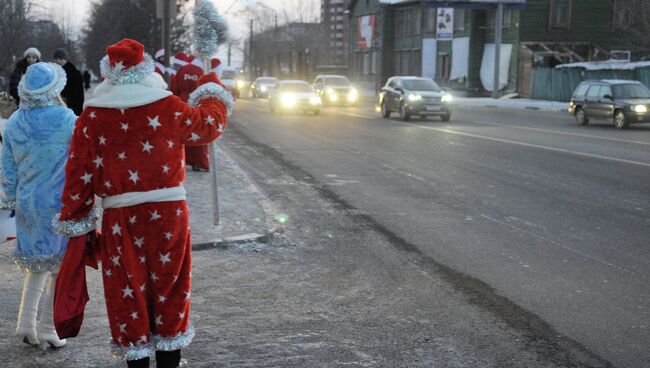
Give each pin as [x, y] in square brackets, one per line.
[140, 363]
[168, 359]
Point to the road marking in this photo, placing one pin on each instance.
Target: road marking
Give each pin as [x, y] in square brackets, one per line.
[355, 115]
[562, 133]
[532, 145]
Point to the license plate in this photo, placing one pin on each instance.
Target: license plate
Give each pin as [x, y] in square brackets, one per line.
[433, 108]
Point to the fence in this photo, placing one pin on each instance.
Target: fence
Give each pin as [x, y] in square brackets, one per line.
[559, 84]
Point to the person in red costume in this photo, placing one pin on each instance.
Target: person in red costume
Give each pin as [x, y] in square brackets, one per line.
[127, 148]
[186, 82]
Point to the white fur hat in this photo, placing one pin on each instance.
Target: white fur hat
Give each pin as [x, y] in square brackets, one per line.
[32, 51]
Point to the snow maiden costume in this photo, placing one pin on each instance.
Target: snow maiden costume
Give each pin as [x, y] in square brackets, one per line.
[35, 148]
[127, 148]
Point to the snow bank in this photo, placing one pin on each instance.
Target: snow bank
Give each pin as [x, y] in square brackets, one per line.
[606, 65]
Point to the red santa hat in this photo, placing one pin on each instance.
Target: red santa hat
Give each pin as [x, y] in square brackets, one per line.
[180, 59]
[195, 61]
[126, 62]
[160, 53]
[214, 63]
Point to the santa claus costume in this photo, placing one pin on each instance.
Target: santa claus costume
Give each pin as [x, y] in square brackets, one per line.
[186, 82]
[127, 148]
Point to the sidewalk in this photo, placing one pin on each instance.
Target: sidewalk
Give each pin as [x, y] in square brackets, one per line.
[512, 103]
[246, 216]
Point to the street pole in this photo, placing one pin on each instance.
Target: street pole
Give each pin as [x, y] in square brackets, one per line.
[167, 45]
[498, 34]
[212, 148]
[250, 52]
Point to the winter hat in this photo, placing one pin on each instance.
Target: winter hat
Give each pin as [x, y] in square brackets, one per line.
[126, 63]
[32, 51]
[180, 59]
[214, 63]
[41, 85]
[60, 54]
[160, 53]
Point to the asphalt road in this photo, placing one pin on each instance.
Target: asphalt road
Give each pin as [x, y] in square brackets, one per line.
[553, 216]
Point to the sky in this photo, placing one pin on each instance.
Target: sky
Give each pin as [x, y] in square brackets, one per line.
[76, 11]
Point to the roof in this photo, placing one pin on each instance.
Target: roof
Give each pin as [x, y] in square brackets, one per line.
[607, 65]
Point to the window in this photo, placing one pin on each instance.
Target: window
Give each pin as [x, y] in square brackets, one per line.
[417, 22]
[492, 14]
[623, 14]
[459, 19]
[594, 91]
[581, 90]
[399, 24]
[605, 91]
[430, 22]
[408, 26]
[560, 14]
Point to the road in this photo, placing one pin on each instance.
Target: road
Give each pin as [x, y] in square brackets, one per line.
[552, 216]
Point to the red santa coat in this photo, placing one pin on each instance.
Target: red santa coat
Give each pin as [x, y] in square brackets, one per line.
[197, 156]
[146, 247]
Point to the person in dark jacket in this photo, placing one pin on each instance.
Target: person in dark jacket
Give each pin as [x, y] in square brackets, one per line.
[73, 93]
[86, 76]
[30, 56]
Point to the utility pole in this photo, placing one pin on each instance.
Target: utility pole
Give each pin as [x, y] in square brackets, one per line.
[498, 33]
[250, 52]
[167, 37]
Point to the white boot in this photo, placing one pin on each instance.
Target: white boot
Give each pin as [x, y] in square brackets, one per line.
[32, 290]
[46, 331]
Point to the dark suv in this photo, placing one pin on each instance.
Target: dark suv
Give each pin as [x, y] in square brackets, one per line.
[623, 102]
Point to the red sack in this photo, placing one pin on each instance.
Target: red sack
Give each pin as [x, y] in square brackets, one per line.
[71, 292]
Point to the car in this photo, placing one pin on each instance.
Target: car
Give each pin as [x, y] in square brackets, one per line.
[234, 80]
[410, 96]
[335, 90]
[294, 95]
[263, 86]
[623, 102]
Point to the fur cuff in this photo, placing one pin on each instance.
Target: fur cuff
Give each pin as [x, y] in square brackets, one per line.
[7, 205]
[134, 352]
[72, 228]
[48, 263]
[175, 342]
[212, 90]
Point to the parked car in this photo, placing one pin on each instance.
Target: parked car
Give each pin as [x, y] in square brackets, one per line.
[335, 90]
[263, 86]
[622, 102]
[234, 80]
[294, 95]
[410, 96]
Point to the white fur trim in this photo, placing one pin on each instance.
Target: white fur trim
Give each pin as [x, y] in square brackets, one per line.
[198, 63]
[151, 89]
[212, 90]
[178, 61]
[159, 53]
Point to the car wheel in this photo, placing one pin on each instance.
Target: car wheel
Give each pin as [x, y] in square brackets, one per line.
[581, 116]
[620, 121]
[384, 110]
[405, 116]
[445, 117]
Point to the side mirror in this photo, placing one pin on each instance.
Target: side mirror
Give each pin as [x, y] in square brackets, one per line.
[399, 89]
[608, 97]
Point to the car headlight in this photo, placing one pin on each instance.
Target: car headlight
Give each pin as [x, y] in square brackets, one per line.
[353, 95]
[446, 98]
[315, 100]
[414, 97]
[241, 84]
[329, 91]
[333, 97]
[640, 108]
[288, 100]
[263, 89]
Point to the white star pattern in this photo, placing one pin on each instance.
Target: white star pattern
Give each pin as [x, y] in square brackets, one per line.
[134, 315]
[154, 277]
[146, 147]
[165, 169]
[143, 259]
[142, 287]
[132, 220]
[117, 229]
[92, 115]
[108, 184]
[164, 258]
[177, 114]
[175, 278]
[123, 328]
[154, 123]
[209, 120]
[102, 140]
[86, 178]
[162, 299]
[122, 111]
[118, 66]
[220, 128]
[139, 242]
[88, 202]
[122, 156]
[187, 295]
[127, 292]
[119, 250]
[85, 131]
[188, 122]
[75, 197]
[115, 260]
[133, 176]
[179, 212]
[154, 215]
[170, 144]
[168, 235]
[182, 163]
[71, 155]
[125, 126]
[195, 137]
[98, 161]
[143, 339]
[181, 315]
[108, 273]
[159, 320]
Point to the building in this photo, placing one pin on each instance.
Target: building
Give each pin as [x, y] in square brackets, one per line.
[452, 41]
[333, 19]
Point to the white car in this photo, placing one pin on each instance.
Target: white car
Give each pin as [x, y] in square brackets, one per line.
[7, 217]
[294, 95]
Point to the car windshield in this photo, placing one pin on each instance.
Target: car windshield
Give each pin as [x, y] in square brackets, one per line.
[624, 91]
[295, 87]
[229, 74]
[420, 85]
[337, 81]
[267, 81]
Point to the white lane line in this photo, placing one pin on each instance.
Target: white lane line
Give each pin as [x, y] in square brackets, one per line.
[532, 145]
[355, 115]
[561, 133]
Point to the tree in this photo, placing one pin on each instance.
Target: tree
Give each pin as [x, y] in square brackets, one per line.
[113, 20]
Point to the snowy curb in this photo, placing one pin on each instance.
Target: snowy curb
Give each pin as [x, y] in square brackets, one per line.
[515, 104]
[230, 241]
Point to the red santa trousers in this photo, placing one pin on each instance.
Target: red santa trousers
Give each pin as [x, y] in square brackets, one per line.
[197, 156]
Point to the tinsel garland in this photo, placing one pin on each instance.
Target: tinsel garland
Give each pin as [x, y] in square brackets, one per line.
[212, 90]
[44, 96]
[210, 28]
[72, 228]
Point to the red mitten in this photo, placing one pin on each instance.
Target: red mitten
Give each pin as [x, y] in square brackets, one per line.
[210, 78]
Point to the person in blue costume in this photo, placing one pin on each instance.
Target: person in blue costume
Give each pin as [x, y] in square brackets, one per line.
[36, 141]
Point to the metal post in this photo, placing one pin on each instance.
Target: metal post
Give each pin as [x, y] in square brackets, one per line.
[212, 148]
[250, 52]
[166, 38]
[498, 34]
